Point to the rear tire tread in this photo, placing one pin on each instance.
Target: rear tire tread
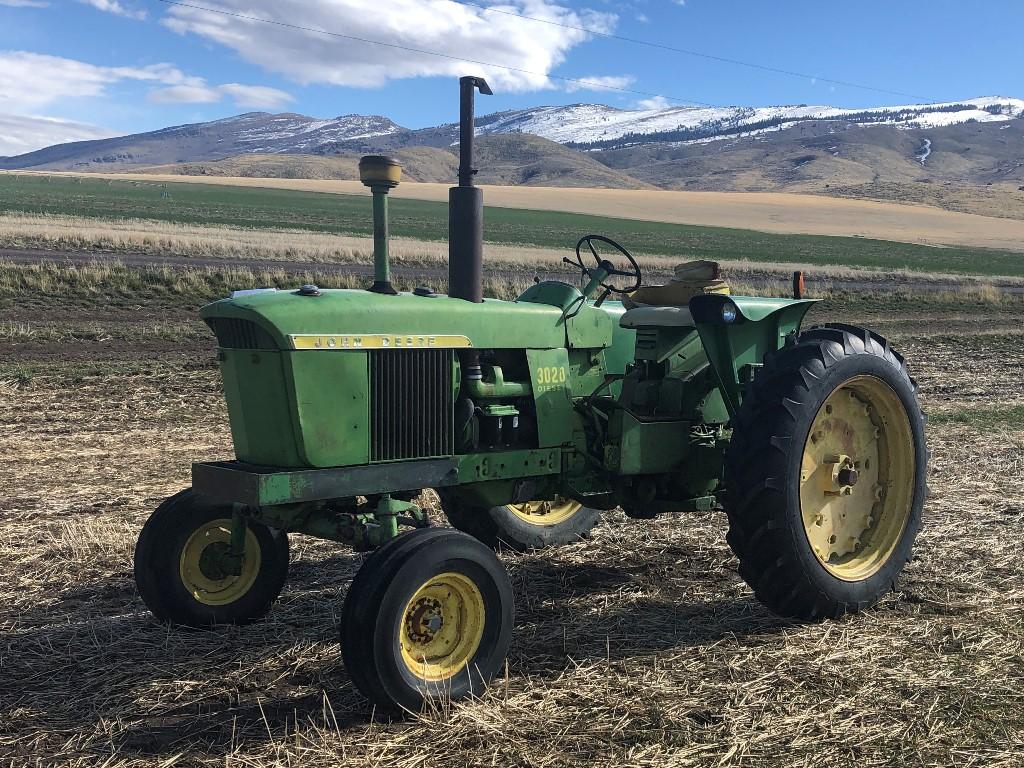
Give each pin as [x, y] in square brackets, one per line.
[756, 461]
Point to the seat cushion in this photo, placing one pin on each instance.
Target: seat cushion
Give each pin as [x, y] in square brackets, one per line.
[692, 278]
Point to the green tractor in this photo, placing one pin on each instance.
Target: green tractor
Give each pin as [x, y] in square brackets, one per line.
[529, 418]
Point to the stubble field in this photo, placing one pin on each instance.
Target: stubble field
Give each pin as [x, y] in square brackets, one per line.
[637, 647]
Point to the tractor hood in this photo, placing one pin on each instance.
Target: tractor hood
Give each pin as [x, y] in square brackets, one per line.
[291, 320]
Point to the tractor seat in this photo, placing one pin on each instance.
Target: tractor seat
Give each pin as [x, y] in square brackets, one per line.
[692, 278]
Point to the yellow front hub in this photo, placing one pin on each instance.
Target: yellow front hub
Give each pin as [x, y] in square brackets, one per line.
[857, 478]
[200, 568]
[442, 627]
[546, 512]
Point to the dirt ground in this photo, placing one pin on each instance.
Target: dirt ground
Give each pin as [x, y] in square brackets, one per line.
[637, 647]
[762, 211]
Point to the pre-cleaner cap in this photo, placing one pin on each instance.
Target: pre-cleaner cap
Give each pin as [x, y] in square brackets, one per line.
[379, 170]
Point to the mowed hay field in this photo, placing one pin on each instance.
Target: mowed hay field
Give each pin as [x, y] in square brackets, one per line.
[637, 647]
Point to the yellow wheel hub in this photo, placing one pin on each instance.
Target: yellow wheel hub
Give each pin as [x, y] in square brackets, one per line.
[857, 478]
[201, 567]
[546, 512]
[442, 627]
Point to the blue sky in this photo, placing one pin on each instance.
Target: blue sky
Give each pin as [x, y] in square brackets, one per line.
[74, 69]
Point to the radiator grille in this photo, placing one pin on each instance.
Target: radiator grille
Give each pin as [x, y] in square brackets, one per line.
[410, 404]
[232, 333]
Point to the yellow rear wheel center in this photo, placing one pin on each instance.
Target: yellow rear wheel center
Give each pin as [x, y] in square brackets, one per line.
[546, 512]
[856, 478]
[442, 627]
[203, 568]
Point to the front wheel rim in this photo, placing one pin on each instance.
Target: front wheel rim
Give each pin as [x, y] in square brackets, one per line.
[198, 565]
[545, 513]
[857, 478]
[442, 627]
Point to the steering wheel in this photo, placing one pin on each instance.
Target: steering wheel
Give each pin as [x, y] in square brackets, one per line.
[607, 266]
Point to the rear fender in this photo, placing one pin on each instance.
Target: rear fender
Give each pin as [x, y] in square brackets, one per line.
[738, 331]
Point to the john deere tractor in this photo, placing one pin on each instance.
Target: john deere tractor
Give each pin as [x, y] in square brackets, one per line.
[530, 418]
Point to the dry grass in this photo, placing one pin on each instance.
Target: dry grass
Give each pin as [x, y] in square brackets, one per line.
[780, 212]
[1004, 199]
[638, 647]
[156, 238]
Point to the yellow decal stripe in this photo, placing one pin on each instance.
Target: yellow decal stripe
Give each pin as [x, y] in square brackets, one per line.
[377, 341]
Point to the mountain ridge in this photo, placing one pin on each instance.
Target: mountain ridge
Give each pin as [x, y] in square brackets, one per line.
[581, 126]
[812, 148]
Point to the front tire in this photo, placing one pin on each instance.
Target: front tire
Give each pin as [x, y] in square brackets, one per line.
[826, 474]
[526, 526]
[177, 572]
[428, 616]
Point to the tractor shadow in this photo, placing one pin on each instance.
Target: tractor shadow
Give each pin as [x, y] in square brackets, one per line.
[94, 655]
[92, 662]
[570, 613]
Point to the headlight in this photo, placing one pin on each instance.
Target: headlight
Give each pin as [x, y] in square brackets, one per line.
[729, 312]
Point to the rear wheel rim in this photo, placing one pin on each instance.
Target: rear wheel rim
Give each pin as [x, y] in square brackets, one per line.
[857, 478]
[199, 564]
[442, 627]
[545, 512]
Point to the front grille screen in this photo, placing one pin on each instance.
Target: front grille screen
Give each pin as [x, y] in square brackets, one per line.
[411, 408]
[233, 333]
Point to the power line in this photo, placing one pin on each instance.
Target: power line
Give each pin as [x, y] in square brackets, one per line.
[587, 83]
[688, 52]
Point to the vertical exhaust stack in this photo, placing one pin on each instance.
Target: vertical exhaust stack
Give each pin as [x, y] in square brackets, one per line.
[466, 206]
[381, 174]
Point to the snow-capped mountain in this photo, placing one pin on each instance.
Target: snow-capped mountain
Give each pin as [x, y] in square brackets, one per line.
[251, 133]
[288, 132]
[595, 126]
[590, 127]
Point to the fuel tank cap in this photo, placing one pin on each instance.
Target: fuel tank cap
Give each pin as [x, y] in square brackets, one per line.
[424, 290]
[309, 290]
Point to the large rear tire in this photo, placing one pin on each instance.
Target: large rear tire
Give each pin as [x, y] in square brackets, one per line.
[177, 570]
[826, 474]
[526, 526]
[428, 616]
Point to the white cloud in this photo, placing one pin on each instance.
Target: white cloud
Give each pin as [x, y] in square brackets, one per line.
[29, 81]
[25, 3]
[247, 96]
[600, 83]
[113, 6]
[184, 94]
[256, 96]
[459, 31]
[655, 102]
[24, 133]
[32, 81]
